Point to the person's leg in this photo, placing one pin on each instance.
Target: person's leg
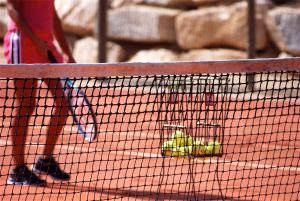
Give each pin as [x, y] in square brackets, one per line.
[59, 116]
[47, 163]
[25, 100]
[25, 104]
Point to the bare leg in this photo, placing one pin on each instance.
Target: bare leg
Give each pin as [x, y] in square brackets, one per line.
[25, 99]
[59, 115]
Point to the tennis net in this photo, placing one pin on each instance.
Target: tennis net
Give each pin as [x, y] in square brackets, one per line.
[164, 131]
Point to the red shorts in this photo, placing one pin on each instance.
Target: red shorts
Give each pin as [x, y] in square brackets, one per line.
[19, 49]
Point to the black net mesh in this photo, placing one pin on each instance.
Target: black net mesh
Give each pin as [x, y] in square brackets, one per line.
[171, 137]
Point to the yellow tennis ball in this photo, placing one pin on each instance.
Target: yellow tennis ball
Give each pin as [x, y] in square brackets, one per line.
[183, 151]
[178, 138]
[167, 146]
[189, 141]
[190, 150]
[177, 134]
[197, 143]
[213, 148]
[199, 149]
[175, 151]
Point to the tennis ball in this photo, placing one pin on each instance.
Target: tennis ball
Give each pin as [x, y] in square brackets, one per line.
[196, 147]
[213, 147]
[197, 143]
[199, 149]
[190, 150]
[167, 145]
[183, 151]
[175, 151]
[178, 138]
[189, 141]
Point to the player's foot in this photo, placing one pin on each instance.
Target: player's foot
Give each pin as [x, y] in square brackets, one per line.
[21, 175]
[50, 167]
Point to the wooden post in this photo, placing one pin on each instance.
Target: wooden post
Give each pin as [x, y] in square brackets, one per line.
[102, 30]
[251, 40]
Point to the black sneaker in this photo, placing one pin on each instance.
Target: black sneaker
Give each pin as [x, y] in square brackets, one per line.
[50, 167]
[21, 175]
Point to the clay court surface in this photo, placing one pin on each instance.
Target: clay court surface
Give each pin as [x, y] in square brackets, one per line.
[260, 161]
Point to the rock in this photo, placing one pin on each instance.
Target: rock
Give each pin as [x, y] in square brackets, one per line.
[267, 54]
[283, 24]
[78, 17]
[218, 26]
[277, 85]
[268, 2]
[151, 55]
[3, 21]
[116, 53]
[212, 54]
[155, 55]
[142, 24]
[3, 2]
[170, 3]
[119, 3]
[86, 51]
[292, 4]
[226, 2]
[236, 83]
[166, 3]
[282, 1]
[271, 51]
[201, 2]
[262, 7]
[2, 60]
[284, 55]
[71, 39]
[63, 8]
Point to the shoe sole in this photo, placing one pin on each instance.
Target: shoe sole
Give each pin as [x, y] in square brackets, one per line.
[45, 173]
[23, 183]
[17, 183]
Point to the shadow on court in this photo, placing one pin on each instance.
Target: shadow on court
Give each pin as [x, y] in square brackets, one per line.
[149, 195]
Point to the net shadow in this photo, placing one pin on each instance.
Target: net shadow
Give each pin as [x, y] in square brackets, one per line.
[149, 195]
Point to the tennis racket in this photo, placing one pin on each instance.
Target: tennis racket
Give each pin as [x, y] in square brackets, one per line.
[79, 107]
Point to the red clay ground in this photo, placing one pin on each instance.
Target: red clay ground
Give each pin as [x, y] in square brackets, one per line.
[261, 160]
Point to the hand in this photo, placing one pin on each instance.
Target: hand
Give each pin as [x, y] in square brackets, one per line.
[69, 59]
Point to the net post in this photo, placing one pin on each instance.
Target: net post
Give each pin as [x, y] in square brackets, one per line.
[251, 40]
[102, 30]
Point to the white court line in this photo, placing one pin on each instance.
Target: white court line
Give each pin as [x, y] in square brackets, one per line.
[149, 135]
[157, 136]
[152, 136]
[104, 131]
[249, 165]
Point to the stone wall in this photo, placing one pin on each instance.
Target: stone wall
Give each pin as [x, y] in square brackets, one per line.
[176, 30]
